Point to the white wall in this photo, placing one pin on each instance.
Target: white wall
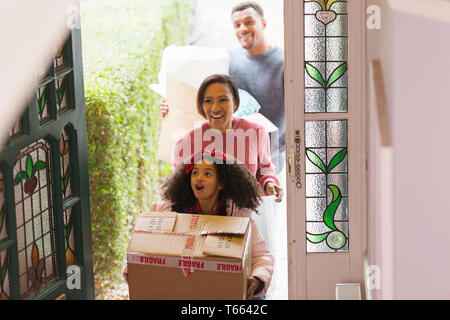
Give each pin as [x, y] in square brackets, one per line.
[414, 49]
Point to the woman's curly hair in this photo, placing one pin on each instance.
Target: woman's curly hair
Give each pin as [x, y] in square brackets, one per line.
[239, 185]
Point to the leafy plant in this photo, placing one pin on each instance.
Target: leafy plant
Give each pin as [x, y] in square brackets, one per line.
[121, 57]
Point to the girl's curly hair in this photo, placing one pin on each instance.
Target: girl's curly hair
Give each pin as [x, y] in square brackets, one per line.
[239, 185]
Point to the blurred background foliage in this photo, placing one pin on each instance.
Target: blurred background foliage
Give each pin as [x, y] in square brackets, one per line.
[123, 41]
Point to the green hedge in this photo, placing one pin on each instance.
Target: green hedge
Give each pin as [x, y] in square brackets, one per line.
[123, 42]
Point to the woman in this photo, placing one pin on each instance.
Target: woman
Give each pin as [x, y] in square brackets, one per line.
[248, 142]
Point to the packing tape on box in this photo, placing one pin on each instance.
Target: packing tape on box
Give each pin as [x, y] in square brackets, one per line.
[188, 253]
[182, 262]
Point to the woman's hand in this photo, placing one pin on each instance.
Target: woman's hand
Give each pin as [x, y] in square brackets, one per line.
[273, 189]
[164, 107]
[252, 285]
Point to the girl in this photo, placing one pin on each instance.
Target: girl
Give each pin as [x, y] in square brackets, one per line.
[214, 184]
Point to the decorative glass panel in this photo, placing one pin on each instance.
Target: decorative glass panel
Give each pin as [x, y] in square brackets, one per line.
[42, 101]
[3, 233]
[326, 30]
[68, 234]
[34, 218]
[65, 164]
[326, 186]
[61, 86]
[4, 279]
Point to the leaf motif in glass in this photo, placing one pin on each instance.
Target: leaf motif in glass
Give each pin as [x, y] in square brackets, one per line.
[335, 238]
[34, 218]
[315, 74]
[315, 159]
[337, 159]
[316, 238]
[336, 74]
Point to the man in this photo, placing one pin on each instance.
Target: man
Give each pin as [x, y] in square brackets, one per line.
[258, 68]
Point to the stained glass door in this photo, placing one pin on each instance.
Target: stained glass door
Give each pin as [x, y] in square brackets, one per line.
[325, 103]
[44, 189]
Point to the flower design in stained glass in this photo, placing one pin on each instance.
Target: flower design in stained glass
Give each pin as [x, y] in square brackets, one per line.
[325, 15]
[325, 56]
[34, 273]
[28, 175]
[34, 218]
[332, 232]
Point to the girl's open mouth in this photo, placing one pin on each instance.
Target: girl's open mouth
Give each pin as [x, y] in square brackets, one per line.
[199, 187]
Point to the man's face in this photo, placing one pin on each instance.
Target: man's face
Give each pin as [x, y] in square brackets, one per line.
[249, 28]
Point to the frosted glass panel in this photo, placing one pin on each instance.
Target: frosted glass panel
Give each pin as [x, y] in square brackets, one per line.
[315, 207]
[337, 134]
[313, 27]
[315, 134]
[339, 7]
[315, 185]
[326, 54]
[315, 49]
[311, 7]
[326, 186]
[315, 100]
[338, 27]
[337, 100]
[336, 49]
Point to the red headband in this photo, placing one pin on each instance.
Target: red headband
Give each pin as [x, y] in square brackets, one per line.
[217, 155]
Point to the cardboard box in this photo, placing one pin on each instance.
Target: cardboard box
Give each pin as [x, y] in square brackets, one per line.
[181, 118]
[175, 256]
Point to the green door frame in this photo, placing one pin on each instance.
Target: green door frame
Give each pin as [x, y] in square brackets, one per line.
[32, 129]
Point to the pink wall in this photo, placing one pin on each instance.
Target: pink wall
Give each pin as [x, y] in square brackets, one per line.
[415, 55]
